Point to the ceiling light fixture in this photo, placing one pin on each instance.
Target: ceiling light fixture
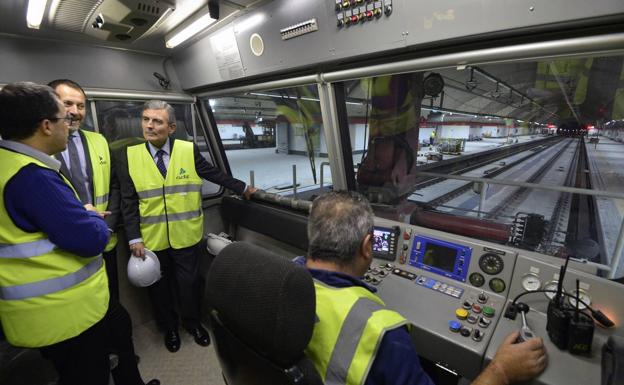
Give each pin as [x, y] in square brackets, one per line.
[34, 15]
[191, 30]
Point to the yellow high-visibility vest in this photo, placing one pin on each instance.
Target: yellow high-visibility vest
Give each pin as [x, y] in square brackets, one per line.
[99, 155]
[352, 311]
[169, 208]
[390, 118]
[552, 75]
[47, 295]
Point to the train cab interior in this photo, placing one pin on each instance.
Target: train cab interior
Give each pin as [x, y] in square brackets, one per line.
[488, 137]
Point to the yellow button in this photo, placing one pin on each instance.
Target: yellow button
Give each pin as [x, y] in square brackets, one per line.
[461, 313]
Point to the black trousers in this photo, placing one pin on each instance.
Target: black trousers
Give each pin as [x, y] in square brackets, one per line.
[119, 328]
[81, 360]
[120, 343]
[110, 259]
[180, 281]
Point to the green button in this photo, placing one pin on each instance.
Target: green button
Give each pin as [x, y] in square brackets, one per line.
[488, 311]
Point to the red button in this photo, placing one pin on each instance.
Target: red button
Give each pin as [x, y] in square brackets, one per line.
[354, 19]
[369, 14]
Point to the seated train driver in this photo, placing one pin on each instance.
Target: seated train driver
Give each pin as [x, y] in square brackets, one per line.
[356, 340]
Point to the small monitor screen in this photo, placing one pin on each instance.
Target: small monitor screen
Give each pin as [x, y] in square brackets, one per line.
[381, 240]
[439, 256]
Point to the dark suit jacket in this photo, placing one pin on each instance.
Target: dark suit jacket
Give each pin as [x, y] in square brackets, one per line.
[114, 198]
[130, 199]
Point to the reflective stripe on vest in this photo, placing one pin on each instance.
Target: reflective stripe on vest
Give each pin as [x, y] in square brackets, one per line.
[351, 324]
[27, 250]
[47, 294]
[171, 217]
[99, 158]
[349, 339]
[169, 208]
[101, 200]
[145, 194]
[52, 285]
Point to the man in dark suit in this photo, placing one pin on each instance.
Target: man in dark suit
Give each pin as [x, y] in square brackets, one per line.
[161, 184]
[86, 162]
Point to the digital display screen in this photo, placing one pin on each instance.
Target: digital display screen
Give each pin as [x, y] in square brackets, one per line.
[439, 256]
[381, 240]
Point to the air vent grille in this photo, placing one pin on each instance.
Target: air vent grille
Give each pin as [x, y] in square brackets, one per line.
[72, 15]
[149, 8]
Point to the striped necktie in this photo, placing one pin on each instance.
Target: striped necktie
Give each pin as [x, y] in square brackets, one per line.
[78, 179]
[160, 163]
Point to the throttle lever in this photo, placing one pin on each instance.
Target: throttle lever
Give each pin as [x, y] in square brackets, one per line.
[525, 332]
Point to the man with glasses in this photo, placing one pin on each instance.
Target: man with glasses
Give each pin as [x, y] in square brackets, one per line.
[53, 284]
[86, 162]
[88, 165]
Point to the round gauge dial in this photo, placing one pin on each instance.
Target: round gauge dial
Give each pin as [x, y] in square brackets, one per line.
[476, 279]
[497, 285]
[583, 295]
[531, 282]
[491, 263]
[552, 287]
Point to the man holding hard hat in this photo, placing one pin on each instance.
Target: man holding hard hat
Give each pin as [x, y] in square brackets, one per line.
[161, 184]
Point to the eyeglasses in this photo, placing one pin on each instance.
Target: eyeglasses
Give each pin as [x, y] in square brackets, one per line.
[68, 119]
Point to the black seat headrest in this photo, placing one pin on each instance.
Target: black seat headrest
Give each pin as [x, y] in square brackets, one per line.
[266, 300]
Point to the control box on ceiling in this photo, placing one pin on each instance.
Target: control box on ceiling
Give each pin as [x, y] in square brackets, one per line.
[352, 12]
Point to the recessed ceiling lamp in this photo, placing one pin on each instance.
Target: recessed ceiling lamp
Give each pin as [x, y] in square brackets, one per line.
[202, 21]
[34, 15]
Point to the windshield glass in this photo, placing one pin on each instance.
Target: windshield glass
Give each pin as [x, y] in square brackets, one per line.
[277, 136]
[553, 123]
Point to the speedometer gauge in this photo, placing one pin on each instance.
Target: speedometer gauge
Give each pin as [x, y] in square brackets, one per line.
[491, 263]
[531, 282]
[584, 297]
[551, 286]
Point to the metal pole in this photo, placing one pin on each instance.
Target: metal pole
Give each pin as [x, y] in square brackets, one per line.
[482, 199]
[263, 87]
[617, 254]
[252, 181]
[294, 181]
[94, 116]
[323, 164]
[529, 51]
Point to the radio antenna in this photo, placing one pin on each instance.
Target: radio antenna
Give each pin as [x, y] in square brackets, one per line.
[576, 313]
[562, 272]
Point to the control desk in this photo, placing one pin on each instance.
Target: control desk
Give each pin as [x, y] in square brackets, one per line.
[455, 291]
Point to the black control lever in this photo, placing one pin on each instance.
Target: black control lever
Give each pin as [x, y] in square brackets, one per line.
[525, 332]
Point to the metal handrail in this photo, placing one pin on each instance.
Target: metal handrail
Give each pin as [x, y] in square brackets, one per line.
[573, 190]
[323, 164]
[580, 46]
[619, 246]
[111, 94]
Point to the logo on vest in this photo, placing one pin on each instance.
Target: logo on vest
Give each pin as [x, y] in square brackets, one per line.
[182, 174]
[102, 161]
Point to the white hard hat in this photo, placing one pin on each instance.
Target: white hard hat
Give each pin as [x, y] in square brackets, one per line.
[144, 272]
[215, 243]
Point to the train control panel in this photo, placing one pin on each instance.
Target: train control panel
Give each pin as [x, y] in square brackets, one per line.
[458, 291]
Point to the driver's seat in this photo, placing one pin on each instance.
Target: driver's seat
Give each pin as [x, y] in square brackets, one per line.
[262, 313]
